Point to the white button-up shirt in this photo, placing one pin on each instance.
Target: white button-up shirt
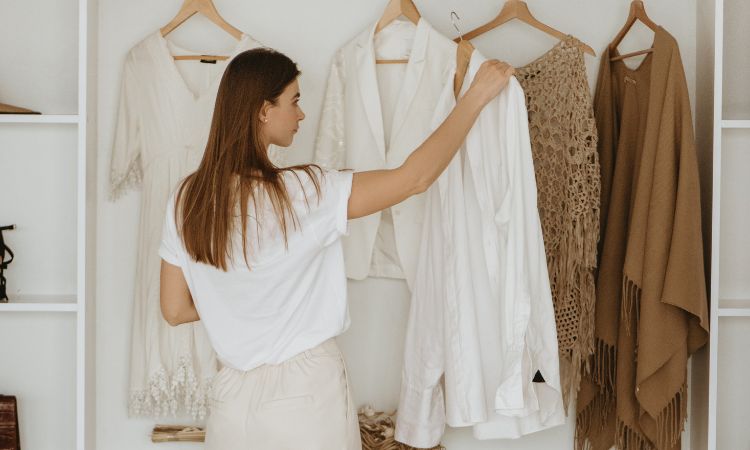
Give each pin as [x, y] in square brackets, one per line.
[482, 320]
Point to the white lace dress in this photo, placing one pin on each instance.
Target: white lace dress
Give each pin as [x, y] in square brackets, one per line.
[161, 131]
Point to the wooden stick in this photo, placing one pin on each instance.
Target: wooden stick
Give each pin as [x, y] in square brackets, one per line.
[200, 57]
[630, 55]
[177, 433]
[391, 61]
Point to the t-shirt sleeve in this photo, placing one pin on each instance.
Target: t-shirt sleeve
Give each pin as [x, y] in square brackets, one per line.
[171, 249]
[331, 223]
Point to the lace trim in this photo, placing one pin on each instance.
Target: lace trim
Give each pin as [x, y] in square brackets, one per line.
[172, 395]
[120, 184]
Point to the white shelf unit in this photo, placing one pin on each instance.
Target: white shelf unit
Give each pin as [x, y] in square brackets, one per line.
[47, 321]
[729, 311]
[40, 118]
[41, 303]
[733, 124]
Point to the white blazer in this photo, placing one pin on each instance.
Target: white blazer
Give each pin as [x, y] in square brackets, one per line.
[351, 132]
[482, 317]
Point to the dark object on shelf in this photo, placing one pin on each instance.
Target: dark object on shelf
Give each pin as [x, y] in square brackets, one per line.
[4, 265]
[8, 109]
[10, 438]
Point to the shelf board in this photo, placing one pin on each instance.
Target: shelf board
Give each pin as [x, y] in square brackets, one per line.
[39, 118]
[734, 312]
[730, 124]
[734, 308]
[40, 303]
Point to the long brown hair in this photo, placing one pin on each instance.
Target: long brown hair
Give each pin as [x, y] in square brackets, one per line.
[236, 161]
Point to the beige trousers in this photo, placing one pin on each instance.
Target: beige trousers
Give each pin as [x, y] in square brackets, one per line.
[303, 403]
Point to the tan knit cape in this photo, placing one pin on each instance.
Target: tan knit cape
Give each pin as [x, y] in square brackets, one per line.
[651, 310]
[563, 143]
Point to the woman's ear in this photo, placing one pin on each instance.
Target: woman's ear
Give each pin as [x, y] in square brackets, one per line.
[263, 116]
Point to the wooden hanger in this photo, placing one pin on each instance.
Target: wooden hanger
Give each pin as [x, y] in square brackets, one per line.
[517, 9]
[637, 12]
[206, 7]
[463, 57]
[394, 10]
[10, 109]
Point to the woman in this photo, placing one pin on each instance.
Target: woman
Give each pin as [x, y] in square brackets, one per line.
[258, 257]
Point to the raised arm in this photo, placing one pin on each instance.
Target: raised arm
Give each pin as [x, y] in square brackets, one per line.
[376, 190]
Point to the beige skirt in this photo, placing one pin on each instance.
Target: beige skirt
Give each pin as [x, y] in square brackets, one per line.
[303, 403]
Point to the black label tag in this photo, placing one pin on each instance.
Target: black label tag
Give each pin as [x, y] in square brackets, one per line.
[208, 61]
[538, 378]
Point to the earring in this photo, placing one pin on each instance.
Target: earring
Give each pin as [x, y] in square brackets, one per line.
[265, 120]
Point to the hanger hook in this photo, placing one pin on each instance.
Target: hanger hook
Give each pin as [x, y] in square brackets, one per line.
[454, 18]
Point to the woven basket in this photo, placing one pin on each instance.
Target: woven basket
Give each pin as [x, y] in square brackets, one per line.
[377, 430]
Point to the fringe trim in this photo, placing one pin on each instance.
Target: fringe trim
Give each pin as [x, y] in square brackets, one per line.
[180, 393]
[602, 371]
[603, 367]
[631, 300]
[570, 377]
[581, 353]
[592, 418]
[571, 273]
[627, 438]
[670, 422]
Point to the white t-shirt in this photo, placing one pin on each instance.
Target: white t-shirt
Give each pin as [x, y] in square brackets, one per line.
[290, 300]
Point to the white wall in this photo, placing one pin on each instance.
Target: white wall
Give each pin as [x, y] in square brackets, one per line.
[310, 32]
[734, 282]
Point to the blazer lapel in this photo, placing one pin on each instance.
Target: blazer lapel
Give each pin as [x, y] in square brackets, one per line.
[414, 71]
[367, 81]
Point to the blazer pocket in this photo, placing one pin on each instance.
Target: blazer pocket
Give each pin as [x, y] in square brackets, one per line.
[297, 402]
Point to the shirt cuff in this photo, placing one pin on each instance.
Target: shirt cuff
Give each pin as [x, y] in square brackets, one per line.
[420, 421]
[342, 215]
